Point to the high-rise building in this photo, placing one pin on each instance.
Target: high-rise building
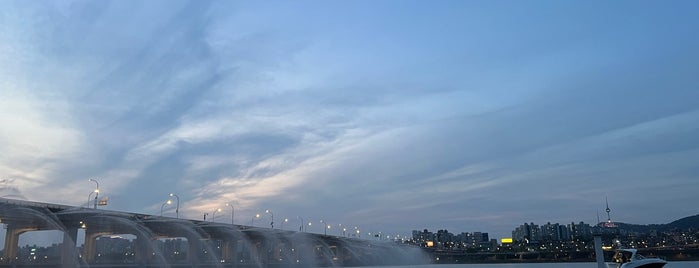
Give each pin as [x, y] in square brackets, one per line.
[480, 237]
[421, 237]
[580, 231]
[563, 233]
[549, 232]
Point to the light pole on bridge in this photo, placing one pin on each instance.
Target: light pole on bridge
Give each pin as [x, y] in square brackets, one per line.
[232, 213]
[177, 209]
[284, 221]
[252, 222]
[97, 191]
[89, 198]
[213, 215]
[271, 215]
[163, 205]
[326, 227]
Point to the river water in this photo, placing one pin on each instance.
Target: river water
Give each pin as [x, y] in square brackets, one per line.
[686, 264]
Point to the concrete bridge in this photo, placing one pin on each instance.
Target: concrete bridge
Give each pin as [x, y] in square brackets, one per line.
[209, 244]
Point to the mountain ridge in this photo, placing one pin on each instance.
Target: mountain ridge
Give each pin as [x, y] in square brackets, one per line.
[689, 222]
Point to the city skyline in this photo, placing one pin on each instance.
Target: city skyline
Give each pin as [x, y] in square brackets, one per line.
[401, 116]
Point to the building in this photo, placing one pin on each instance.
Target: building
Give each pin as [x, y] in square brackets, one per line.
[422, 237]
[580, 231]
[527, 233]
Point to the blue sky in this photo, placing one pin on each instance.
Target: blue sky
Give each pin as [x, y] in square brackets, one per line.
[388, 115]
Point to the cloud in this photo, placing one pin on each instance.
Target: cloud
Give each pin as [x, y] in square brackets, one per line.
[348, 113]
[38, 138]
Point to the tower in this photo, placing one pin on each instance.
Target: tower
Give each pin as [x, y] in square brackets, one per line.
[609, 222]
[609, 218]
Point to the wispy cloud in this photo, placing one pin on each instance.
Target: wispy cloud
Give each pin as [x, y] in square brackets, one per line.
[350, 112]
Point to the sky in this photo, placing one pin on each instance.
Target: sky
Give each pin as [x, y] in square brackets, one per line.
[391, 116]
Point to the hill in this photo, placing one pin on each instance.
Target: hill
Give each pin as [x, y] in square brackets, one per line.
[691, 222]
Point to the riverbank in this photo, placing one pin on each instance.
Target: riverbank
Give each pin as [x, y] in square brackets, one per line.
[455, 257]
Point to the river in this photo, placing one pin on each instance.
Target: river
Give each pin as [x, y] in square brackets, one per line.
[686, 264]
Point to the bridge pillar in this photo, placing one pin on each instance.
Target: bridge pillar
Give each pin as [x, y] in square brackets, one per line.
[334, 252]
[255, 252]
[305, 253]
[344, 254]
[69, 254]
[193, 250]
[12, 241]
[264, 252]
[142, 249]
[228, 250]
[90, 244]
[275, 251]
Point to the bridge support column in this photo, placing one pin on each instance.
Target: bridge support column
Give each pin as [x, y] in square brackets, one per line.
[275, 251]
[306, 253]
[142, 249]
[344, 254]
[12, 241]
[255, 252]
[334, 252]
[264, 252]
[69, 254]
[228, 250]
[193, 250]
[90, 245]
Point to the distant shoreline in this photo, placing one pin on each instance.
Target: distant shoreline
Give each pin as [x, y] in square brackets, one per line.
[452, 257]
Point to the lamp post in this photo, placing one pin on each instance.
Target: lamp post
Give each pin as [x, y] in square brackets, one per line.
[177, 209]
[300, 226]
[232, 212]
[89, 198]
[205, 215]
[252, 222]
[309, 225]
[325, 230]
[284, 221]
[97, 191]
[213, 215]
[163, 205]
[271, 215]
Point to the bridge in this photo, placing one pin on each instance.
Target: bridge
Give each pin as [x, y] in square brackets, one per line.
[209, 244]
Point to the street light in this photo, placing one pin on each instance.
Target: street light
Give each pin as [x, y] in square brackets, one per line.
[271, 216]
[301, 226]
[177, 209]
[213, 215]
[252, 222]
[89, 198]
[284, 221]
[309, 224]
[325, 230]
[97, 191]
[232, 212]
[163, 205]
